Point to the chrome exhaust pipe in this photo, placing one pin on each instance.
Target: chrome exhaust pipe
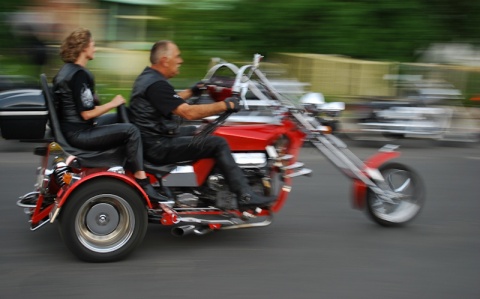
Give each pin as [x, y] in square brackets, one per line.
[180, 231]
[202, 230]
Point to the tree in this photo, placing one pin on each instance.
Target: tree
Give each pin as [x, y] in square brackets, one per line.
[370, 29]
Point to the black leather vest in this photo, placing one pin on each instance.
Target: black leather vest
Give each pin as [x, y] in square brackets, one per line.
[144, 115]
[67, 110]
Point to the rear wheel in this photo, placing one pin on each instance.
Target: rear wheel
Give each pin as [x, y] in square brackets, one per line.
[103, 221]
[406, 196]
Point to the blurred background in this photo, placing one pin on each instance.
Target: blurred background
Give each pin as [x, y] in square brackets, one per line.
[390, 56]
[351, 51]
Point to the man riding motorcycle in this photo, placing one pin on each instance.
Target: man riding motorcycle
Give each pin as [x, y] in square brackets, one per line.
[156, 109]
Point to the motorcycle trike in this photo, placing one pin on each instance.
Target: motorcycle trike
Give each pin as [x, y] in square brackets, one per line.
[103, 214]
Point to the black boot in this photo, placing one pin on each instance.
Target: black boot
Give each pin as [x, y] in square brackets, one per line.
[238, 183]
[151, 192]
[251, 199]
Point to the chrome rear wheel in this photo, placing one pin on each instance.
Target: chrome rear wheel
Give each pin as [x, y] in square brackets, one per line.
[105, 220]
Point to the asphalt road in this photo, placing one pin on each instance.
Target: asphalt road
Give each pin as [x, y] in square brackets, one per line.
[318, 246]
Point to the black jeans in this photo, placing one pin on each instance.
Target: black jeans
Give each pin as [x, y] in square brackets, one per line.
[167, 150]
[106, 135]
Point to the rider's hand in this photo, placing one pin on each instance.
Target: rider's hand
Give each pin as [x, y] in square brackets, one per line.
[233, 104]
[118, 100]
[198, 88]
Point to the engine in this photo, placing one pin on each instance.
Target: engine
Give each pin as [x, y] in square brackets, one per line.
[215, 192]
[219, 192]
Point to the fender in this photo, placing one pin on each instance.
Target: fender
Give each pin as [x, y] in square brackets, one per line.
[65, 193]
[359, 195]
[253, 137]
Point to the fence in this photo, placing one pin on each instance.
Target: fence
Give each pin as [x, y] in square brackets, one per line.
[346, 77]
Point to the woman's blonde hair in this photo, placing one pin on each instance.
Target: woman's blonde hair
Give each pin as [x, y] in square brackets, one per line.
[74, 44]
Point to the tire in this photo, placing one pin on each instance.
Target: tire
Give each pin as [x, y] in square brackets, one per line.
[402, 180]
[103, 221]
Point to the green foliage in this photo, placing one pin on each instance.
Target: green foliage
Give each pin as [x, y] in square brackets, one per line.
[370, 29]
[382, 30]
[6, 38]
[357, 29]
[235, 29]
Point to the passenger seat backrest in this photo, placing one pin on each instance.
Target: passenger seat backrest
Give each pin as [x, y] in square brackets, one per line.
[112, 157]
[52, 111]
[122, 112]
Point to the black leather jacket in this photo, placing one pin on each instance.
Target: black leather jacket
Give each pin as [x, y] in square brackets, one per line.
[64, 101]
[144, 115]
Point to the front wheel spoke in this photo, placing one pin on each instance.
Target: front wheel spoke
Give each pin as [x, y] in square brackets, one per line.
[378, 204]
[404, 186]
[381, 209]
[401, 198]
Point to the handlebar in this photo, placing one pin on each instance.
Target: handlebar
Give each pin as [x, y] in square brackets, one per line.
[243, 83]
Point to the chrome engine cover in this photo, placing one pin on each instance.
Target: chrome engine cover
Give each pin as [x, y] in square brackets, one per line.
[184, 176]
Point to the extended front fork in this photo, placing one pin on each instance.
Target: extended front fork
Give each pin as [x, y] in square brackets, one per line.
[365, 174]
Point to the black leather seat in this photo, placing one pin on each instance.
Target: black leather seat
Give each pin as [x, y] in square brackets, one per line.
[159, 170]
[112, 157]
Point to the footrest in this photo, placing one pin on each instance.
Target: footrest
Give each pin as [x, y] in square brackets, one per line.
[29, 200]
[300, 172]
[293, 166]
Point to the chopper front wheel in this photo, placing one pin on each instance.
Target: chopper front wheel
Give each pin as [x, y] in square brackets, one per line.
[407, 196]
[103, 221]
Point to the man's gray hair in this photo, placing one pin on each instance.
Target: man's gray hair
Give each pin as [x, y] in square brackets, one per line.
[160, 49]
